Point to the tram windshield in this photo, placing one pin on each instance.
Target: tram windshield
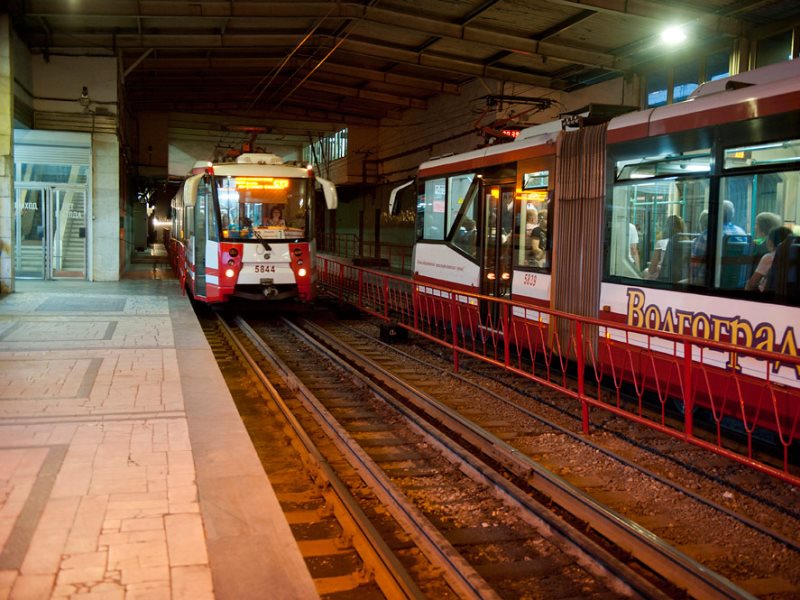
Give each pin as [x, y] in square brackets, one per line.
[263, 207]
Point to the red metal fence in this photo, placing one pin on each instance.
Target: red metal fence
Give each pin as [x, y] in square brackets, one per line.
[638, 374]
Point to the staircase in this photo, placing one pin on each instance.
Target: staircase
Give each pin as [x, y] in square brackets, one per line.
[73, 246]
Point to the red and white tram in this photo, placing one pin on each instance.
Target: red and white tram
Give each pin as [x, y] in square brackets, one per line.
[656, 219]
[246, 229]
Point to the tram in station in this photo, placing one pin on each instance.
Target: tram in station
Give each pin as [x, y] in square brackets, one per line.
[661, 220]
[245, 229]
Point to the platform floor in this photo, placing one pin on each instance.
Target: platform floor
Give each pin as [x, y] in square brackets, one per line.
[125, 470]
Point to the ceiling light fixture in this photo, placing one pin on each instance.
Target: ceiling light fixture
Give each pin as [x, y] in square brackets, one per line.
[673, 35]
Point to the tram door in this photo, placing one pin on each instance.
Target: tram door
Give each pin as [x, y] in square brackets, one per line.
[202, 206]
[498, 214]
[50, 232]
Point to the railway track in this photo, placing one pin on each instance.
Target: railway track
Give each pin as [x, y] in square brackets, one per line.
[502, 542]
[732, 520]
[506, 575]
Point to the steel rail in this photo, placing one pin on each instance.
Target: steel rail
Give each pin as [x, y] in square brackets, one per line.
[652, 551]
[459, 574]
[778, 537]
[390, 575]
[534, 512]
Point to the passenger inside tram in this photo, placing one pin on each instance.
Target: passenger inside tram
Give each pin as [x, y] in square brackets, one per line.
[758, 280]
[538, 237]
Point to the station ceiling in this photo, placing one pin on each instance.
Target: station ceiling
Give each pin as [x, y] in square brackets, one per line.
[360, 61]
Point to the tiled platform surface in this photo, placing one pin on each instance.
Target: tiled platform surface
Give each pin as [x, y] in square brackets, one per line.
[125, 470]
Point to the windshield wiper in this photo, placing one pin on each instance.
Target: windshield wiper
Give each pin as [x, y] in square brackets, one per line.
[267, 247]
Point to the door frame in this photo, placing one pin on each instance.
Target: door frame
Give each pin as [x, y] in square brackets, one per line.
[50, 193]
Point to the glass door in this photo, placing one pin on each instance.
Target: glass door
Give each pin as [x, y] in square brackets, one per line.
[51, 232]
[67, 208]
[496, 269]
[497, 247]
[31, 240]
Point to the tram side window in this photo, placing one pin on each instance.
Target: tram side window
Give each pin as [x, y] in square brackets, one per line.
[656, 222]
[531, 247]
[189, 220]
[465, 231]
[206, 191]
[431, 210]
[457, 188]
[759, 246]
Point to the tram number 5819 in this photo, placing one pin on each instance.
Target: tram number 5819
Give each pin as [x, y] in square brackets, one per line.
[264, 268]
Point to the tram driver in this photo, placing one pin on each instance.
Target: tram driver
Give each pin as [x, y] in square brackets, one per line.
[276, 218]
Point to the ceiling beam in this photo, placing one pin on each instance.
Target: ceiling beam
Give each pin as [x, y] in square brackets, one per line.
[371, 75]
[269, 11]
[351, 44]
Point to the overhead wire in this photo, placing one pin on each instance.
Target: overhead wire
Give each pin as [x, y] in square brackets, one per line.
[339, 42]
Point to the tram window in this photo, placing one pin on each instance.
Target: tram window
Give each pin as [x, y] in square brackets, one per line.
[658, 220]
[531, 248]
[431, 210]
[761, 203]
[465, 234]
[204, 203]
[248, 202]
[189, 222]
[762, 154]
[457, 187]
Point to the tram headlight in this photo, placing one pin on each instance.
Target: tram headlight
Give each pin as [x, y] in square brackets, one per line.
[233, 252]
[229, 272]
[231, 262]
[301, 272]
[505, 276]
[491, 276]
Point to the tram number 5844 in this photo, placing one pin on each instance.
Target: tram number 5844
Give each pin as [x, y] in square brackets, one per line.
[264, 268]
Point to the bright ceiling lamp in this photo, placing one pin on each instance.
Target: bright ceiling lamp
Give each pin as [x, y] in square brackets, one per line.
[673, 35]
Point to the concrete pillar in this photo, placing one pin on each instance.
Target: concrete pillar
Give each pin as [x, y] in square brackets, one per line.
[6, 158]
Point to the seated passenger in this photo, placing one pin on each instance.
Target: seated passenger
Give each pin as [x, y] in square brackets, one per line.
[699, 246]
[784, 276]
[759, 278]
[765, 222]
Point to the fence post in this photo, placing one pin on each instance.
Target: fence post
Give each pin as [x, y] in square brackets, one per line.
[359, 303]
[341, 282]
[688, 391]
[581, 366]
[453, 330]
[506, 336]
[386, 297]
